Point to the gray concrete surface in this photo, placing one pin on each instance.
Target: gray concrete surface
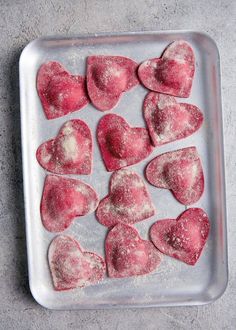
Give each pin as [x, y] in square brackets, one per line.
[22, 21]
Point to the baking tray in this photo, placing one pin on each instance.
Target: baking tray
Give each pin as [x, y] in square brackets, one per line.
[174, 283]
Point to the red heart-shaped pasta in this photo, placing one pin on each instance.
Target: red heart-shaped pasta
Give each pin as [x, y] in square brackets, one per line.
[183, 238]
[70, 152]
[127, 254]
[128, 200]
[168, 120]
[64, 199]
[172, 73]
[108, 77]
[60, 92]
[120, 144]
[181, 172]
[71, 267]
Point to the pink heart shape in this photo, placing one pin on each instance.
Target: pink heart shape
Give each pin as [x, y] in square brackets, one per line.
[108, 77]
[183, 238]
[168, 120]
[127, 202]
[71, 267]
[64, 199]
[59, 91]
[172, 73]
[70, 152]
[120, 144]
[181, 172]
[127, 254]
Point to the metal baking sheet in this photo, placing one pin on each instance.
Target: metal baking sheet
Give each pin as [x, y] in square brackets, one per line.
[174, 283]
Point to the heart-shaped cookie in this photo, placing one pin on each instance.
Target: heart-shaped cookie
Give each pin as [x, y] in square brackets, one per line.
[70, 152]
[120, 144]
[181, 172]
[71, 267]
[172, 73]
[64, 199]
[127, 254]
[127, 202]
[59, 91]
[168, 120]
[183, 238]
[108, 77]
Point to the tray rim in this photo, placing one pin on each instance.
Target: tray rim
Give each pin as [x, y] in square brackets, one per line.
[105, 35]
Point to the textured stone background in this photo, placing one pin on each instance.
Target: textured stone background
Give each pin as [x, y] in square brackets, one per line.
[22, 21]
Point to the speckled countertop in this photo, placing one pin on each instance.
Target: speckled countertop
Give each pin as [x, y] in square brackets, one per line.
[23, 21]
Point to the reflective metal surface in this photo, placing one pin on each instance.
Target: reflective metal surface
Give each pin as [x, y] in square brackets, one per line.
[174, 283]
